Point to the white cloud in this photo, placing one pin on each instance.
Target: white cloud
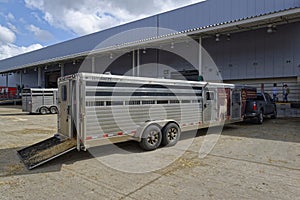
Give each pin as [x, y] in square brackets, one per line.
[9, 50]
[12, 27]
[10, 17]
[6, 35]
[40, 34]
[83, 17]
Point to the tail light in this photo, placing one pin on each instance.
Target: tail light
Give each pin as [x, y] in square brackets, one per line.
[254, 106]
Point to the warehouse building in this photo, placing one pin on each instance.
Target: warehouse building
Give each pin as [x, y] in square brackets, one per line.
[249, 41]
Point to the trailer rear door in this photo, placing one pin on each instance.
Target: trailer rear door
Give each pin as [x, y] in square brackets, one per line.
[209, 106]
[64, 104]
[236, 104]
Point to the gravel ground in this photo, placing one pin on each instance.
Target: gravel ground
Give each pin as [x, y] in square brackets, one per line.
[249, 161]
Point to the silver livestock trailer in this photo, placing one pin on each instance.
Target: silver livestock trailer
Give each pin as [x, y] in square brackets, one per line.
[39, 100]
[151, 111]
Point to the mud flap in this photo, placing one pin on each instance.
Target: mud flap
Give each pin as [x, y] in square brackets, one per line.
[44, 151]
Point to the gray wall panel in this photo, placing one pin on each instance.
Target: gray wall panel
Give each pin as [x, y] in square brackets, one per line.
[258, 54]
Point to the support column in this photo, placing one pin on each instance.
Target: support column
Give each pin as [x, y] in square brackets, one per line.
[133, 63]
[200, 59]
[21, 79]
[39, 71]
[62, 69]
[6, 89]
[93, 64]
[138, 63]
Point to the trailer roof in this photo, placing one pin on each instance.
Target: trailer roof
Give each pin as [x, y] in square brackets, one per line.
[144, 80]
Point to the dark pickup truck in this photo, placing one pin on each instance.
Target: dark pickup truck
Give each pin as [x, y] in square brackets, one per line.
[260, 107]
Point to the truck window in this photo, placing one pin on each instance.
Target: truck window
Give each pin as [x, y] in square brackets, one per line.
[260, 97]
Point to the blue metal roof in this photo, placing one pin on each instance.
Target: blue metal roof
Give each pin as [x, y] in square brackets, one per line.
[197, 16]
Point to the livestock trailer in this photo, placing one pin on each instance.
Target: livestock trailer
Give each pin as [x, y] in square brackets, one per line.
[39, 100]
[150, 111]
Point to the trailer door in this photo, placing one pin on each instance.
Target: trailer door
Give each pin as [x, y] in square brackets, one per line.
[209, 106]
[236, 104]
[64, 105]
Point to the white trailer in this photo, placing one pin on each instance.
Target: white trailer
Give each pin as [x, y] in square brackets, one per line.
[39, 100]
[150, 111]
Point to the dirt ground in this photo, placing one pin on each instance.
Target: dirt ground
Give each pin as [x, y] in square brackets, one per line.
[249, 161]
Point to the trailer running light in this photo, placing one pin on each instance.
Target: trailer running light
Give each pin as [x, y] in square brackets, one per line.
[120, 133]
[254, 106]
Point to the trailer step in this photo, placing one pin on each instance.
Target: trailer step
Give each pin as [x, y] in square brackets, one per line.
[44, 151]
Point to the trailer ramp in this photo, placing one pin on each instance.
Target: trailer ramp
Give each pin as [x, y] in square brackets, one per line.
[44, 151]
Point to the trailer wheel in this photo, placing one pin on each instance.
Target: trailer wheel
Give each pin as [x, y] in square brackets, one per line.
[44, 110]
[151, 138]
[170, 134]
[53, 110]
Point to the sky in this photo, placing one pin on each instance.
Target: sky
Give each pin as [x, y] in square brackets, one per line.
[27, 25]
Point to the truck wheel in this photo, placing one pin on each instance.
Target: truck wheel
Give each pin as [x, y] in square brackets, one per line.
[151, 138]
[53, 110]
[170, 134]
[260, 118]
[274, 115]
[43, 110]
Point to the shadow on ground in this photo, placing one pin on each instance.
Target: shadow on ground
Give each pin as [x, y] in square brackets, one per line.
[271, 129]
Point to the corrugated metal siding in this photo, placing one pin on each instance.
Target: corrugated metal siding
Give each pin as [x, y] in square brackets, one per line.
[198, 15]
[217, 11]
[258, 54]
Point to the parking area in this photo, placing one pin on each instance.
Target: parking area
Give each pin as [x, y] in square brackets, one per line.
[248, 161]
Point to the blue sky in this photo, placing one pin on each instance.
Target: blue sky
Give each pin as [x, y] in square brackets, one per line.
[26, 25]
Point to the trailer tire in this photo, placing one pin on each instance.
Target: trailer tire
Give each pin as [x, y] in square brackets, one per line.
[170, 134]
[44, 110]
[53, 110]
[151, 138]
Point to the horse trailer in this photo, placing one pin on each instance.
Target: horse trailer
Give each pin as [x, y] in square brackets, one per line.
[39, 100]
[151, 111]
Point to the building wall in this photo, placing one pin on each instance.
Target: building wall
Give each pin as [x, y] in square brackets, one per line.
[258, 54]
[29, 79]
[198, 15]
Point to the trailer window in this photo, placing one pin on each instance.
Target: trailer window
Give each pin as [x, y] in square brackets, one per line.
[174, 101]
[162, 102]
[94, 103]
[117, 103]
[210, 96]
[185, 101]
[133, 103]
[148, 102]
[64, 93]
